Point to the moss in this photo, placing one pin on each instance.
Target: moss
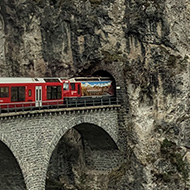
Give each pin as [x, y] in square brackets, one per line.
[169, 151]
[174, 61]
[146, 94]
[97, 2]
[53, 183]
[180, 164]
[166, 146]
[82, 179]
[94, 19]
[38, 1]
[166, 177]
[171, 61]
[155, 3]
[110, 57]
[83, 182]
[183, 64]
[116, 174]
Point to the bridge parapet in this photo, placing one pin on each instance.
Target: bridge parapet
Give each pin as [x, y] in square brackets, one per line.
[32, 113]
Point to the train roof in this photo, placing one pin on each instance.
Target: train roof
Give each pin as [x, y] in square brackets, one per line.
[28, 80]
[75, 79]
[14, 80]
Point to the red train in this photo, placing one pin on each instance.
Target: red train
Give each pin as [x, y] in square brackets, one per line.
[17, 93]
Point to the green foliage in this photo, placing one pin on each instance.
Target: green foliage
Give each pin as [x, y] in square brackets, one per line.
[53, 183]
[169, 151]
[97, 2]
[37, 1]
[174, 61]
[116, 174]
[181, 165]
[83, 178]
[166, 177]
[110, 57]
[83, 182]
[167, 146]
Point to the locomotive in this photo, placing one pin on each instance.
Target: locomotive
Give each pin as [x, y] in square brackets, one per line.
[23, 93]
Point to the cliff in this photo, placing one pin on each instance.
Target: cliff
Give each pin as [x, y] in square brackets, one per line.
[143, 44]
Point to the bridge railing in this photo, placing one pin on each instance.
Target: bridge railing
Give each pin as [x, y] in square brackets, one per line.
[67, 103]
[85, 102]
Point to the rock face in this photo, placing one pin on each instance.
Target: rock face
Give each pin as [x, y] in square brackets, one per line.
[143, 44]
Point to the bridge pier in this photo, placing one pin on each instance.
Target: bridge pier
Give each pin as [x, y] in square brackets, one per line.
[35, 174]
[34, 180]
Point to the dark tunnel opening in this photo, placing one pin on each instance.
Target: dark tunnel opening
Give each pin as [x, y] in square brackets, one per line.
[104, 73]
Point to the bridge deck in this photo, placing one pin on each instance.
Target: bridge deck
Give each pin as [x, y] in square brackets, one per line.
[40, 111]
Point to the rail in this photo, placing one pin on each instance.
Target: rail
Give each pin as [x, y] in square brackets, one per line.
[56, 104]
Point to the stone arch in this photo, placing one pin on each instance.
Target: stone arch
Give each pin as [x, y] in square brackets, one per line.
[69, 154]
[10, 170]
[115, 70]
[77, 121]
[97, 138]
[103, 73]
[112, 70]
[7, 142]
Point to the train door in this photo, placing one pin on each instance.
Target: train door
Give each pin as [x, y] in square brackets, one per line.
[66, 89]
[38, 96]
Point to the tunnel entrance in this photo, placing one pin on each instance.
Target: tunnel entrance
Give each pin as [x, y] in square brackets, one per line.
[11, 177]
[84, 153]
[104, 73]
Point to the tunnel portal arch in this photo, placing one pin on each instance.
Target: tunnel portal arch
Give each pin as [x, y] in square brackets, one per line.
[109, 125]
[105, 73]
[82, 148]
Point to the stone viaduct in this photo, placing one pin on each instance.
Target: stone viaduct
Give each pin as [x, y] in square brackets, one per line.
[28, 139]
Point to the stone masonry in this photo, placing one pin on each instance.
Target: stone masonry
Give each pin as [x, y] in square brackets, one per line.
[33, 136]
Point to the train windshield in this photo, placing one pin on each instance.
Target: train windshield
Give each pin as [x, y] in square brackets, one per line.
[66, 86]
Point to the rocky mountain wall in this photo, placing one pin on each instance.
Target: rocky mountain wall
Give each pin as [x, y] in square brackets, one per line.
[143, 44]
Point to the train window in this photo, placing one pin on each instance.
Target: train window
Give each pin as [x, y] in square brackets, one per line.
[78, 89]
[30, 93]
[4, 92]
[53, 92]
[72, 86]
[65, 86]
[59, 92]
[18, 94]
[49, 92]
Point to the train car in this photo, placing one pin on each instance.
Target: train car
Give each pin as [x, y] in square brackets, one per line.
[30, 92]
[87, 90]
